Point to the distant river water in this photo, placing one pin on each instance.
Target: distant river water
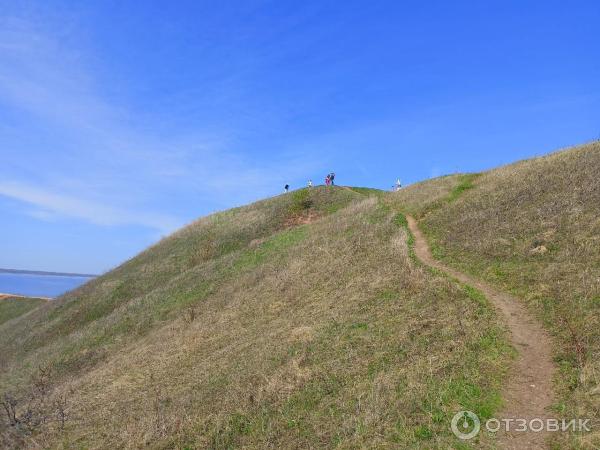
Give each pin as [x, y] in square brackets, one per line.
[38, 285]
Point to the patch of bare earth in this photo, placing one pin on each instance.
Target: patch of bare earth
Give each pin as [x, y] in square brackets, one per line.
[528, 393]
[301, 219]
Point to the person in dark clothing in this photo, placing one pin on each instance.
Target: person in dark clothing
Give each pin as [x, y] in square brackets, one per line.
[331, 178]
[286, 187]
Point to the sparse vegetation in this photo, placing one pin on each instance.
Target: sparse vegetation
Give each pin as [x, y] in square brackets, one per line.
[38, 410]
[532, 228]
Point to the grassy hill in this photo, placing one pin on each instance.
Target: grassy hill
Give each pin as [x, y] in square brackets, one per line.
[305, 321]
[299, 321]
[532, 228]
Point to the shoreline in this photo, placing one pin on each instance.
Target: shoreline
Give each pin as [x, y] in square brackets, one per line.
[3, 296]
[47, 274]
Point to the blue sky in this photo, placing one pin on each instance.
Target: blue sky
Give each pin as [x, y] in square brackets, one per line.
[121, 121]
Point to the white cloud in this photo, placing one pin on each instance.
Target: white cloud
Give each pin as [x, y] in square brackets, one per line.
[51, 205]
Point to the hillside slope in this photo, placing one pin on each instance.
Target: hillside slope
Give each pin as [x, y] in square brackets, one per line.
[299, 321]
[12, 307]
[533, 228]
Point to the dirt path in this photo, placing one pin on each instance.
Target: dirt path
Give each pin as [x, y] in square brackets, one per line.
[528, 392]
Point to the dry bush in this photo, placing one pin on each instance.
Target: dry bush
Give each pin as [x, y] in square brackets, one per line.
[39, 410]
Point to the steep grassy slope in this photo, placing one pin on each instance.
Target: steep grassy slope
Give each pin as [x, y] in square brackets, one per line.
[156, 286]
[533, 228]
[300, 321]
[11, 307]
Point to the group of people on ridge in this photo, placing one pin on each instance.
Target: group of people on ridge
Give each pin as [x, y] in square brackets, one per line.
[329, 181]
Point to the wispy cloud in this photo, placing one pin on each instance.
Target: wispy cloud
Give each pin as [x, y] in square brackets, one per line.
[49, 205]
[101, 164]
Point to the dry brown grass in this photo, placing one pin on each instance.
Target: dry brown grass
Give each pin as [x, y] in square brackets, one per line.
[321, 335]
[534, 228]
[419, 198]
[14, 306]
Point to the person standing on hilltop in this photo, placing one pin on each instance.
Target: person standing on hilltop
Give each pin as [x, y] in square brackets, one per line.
[328, 180]
[331, 178]
[286, 188]
[310, 183]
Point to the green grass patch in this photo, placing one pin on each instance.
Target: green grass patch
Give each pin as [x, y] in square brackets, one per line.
[274, 246]
[388, 295]
[476, 295]
[331, 209]
[311, 395]
[124, 291]
[466, 183]
[359, 326]
[301, 201]
[423, 432]
[175, 302]
[368, 191]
